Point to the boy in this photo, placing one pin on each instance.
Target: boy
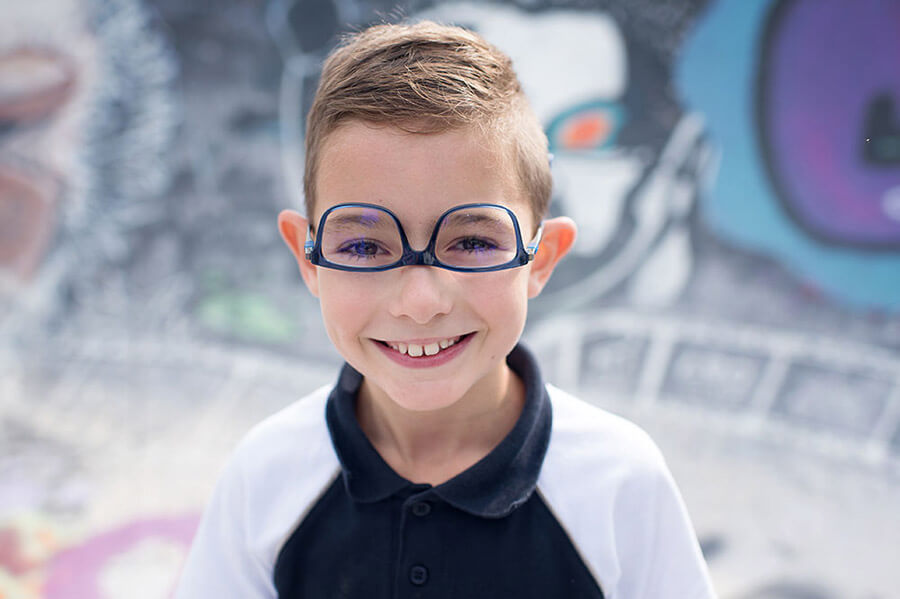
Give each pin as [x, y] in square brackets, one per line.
[439, 465]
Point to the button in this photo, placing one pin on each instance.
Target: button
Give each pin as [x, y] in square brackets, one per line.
[418, 575]
[421, 508]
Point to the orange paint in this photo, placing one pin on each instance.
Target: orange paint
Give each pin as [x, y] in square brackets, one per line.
[586, 131]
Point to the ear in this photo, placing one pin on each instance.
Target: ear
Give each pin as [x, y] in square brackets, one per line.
[293, 228]
[557, 240]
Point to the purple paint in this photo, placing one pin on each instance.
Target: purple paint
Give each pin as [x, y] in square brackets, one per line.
[827, 61]
[76, 571]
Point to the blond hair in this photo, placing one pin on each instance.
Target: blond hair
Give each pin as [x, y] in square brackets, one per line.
[428, 78]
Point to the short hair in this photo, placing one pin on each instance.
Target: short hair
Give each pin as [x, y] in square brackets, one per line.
[428, 78]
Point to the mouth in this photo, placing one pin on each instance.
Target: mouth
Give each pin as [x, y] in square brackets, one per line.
[422, 353]
[417, 350]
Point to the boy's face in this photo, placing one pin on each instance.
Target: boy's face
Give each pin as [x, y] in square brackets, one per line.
[418, 178]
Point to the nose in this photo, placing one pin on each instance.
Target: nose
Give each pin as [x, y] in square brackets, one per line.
[422, 293]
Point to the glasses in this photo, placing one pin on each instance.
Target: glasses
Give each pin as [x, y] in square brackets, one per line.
[467, 238]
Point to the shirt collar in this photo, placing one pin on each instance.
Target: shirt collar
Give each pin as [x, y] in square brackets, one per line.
[492, 488]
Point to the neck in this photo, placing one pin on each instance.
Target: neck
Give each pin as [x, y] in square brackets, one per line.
[436, 445]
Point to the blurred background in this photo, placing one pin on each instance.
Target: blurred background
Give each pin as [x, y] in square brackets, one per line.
[734, 168]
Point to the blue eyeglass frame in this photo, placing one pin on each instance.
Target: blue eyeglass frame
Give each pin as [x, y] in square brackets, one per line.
[426, 257]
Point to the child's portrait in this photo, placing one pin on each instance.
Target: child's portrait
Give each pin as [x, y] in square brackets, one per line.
[449, 299]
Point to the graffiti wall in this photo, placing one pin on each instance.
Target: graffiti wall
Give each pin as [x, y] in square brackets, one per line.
[734, 170]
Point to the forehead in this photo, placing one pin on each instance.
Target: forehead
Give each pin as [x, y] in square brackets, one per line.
[416, 176]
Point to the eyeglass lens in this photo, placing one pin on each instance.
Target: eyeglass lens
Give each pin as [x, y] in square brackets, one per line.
[473, 237]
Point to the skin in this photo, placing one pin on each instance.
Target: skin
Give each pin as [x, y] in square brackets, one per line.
[429, 424]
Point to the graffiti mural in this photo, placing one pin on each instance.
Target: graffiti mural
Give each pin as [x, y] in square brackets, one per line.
[802, 96]
[734, 287]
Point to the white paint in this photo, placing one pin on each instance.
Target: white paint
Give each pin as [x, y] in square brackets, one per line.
[663, 276]
[146, 571]
[562, 57]
[595, 192]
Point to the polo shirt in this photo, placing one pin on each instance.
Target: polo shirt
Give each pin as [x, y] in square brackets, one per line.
[573, 502]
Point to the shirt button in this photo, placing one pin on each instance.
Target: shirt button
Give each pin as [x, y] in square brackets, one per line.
[418, 575]
[421, 508]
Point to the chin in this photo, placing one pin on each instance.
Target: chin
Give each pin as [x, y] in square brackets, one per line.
[416, 399]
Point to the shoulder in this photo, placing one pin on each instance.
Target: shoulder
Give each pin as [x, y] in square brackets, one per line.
[270, 481]
[597, 463]
[586, 436]
[276, 473]
[607, 484]
[296, 433]
[288, 457]
[283, 454]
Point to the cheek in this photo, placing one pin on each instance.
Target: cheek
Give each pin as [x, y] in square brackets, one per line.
[346, 303]
[502, 297]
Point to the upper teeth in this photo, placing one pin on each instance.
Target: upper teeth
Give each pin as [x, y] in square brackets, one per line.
[415, 350]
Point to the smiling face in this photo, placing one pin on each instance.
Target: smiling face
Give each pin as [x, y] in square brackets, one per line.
[381, 321]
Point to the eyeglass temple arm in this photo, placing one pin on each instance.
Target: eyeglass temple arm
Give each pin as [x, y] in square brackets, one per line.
[310, 245]
[532, 247]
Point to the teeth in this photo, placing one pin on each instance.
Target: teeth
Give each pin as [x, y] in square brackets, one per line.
[417, 351]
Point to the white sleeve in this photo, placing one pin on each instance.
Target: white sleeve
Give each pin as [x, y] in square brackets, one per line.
[660, 549]
[220, 563]
[609, 487]
[274, 476]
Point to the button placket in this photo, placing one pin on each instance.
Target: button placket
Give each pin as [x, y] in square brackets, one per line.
[418, 547]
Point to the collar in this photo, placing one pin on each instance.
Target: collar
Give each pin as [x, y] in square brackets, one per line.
[491, 488]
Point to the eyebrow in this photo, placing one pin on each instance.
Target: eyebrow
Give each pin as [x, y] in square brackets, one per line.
[370, 221]
[467, 218]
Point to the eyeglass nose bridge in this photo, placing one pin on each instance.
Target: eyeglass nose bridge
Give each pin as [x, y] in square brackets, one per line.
[413, 257]
[420, 258]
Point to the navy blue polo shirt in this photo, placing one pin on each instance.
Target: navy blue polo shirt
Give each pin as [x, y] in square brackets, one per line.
[484, 533]
[573, 502]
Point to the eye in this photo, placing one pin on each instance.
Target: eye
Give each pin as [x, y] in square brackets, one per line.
[474, 244]
[589, 130]
[591, 126]
[360, 248]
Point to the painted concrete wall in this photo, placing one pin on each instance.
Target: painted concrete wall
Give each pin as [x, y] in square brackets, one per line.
[734, 168]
